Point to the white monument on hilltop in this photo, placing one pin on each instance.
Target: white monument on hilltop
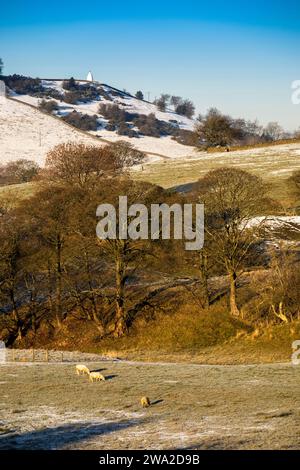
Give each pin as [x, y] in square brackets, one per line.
[2, 91]
[90, 77]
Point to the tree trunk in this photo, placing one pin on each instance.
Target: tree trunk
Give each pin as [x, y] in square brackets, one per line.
[15, 315]
[94, 315]
[95, 319]
[58, 283]
[33, 322]
[233, 305]
[19, 335]
[204, 278]
[50, 296]
[120, 319]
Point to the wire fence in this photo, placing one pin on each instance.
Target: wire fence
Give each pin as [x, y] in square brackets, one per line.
[48, 355]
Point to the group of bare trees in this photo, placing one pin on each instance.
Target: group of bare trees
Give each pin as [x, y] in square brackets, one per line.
[50, 255]
[218, 129]
[52, 263]
[232, 197]
[181, 106]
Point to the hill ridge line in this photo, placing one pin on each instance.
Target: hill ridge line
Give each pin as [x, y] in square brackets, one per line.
[87, 134]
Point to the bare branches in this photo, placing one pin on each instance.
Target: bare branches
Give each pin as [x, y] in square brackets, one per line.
[232, 198]
[83, 165]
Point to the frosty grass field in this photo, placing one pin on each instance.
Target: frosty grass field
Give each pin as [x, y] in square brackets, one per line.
[193, 407]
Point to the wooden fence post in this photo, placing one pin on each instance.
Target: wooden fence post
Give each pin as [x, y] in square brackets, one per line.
[13, 355]
[62, 356]
[47, 356]
[32, 355]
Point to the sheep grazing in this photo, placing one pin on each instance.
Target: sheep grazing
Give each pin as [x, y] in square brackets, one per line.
[82, 370]
[96, 377]
[145, 402]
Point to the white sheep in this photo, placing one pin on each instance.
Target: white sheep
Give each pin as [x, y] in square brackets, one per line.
[96, 376]
[145, 402]
[82, 370]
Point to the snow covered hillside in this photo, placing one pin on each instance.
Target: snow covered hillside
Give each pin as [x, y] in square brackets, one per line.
[163, 146]
[28, 133]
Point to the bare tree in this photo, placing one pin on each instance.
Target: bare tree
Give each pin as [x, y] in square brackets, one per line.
[232, 198]
[175, 100]
[279, 291]
[127, 255]
[82, 164]
[19, 171]
[215, 129]
[273, 131]
[218, 129]
[185, 108]
[12, 267]
[49, 213]
[162, 102]
[125, 155]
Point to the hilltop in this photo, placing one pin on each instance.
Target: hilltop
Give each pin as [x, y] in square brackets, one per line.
[29, 133]
[25, 132]
[40, 114]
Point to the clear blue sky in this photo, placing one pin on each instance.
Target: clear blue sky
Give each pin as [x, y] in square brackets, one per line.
[239, 56]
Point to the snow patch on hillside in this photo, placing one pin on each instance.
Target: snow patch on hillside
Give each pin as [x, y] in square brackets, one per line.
[276, 222]
[164, 146]
[28, 133]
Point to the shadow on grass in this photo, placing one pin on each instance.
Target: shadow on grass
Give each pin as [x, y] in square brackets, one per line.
[156, 402]
[60, 436]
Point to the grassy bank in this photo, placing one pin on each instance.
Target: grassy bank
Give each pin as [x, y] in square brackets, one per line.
[188, 335]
